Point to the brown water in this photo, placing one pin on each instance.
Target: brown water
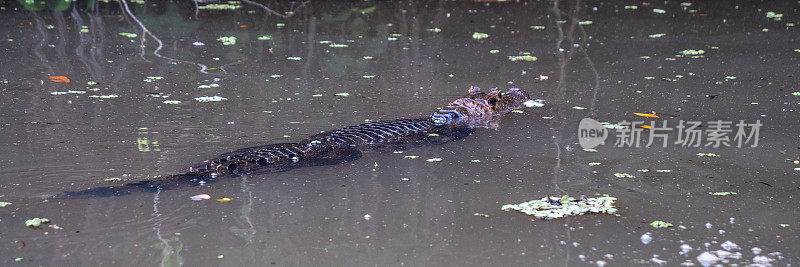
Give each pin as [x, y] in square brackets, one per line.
[395, 60]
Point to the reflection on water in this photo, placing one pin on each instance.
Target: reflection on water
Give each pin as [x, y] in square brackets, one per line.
[288, 70]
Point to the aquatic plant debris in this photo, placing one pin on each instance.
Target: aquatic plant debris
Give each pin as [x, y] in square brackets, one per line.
[522, 58]
[433, 159]
[722, 193]
[129, 35]
[478, 36]
[210, 98]
[231, 5]
[200, 197]
[227, 40]
[692, 52]
[103, 96]
[558, 207]
[36, 222]
[707, 155]
[534, 103]
[623, 175]
[660, 224]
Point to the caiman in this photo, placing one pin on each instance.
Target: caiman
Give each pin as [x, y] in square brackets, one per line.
[456, 120]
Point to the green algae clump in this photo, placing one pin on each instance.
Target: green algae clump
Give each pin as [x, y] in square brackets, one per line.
[36, 222]
[558, 207]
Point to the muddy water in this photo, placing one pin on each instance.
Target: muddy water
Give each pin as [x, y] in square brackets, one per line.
[131, 111]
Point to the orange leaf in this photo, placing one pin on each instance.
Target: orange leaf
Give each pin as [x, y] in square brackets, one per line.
[646, 115]
[645, 126]
[242, 26]
[59, 79]
[224, 199]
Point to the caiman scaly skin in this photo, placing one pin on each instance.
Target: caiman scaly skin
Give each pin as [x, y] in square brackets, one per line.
[456, 120]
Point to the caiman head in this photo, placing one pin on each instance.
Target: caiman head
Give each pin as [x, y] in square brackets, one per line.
[481, 109]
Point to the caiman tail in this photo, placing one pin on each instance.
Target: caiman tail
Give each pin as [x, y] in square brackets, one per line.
[261, 159]
[146, 186]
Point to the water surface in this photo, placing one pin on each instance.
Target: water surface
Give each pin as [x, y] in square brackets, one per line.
[130, 112]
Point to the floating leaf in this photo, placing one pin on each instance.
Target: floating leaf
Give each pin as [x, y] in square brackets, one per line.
[3, 204]
[200, 197]
[210, 98]
[224, 199]
[433, 160]
[646, 115]
[342, 94]
[60, 79]
[129, 35]
[660, 224]
[479, 36]
[103, 96]
[623, 175]
[522, 58]
[722, 193]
